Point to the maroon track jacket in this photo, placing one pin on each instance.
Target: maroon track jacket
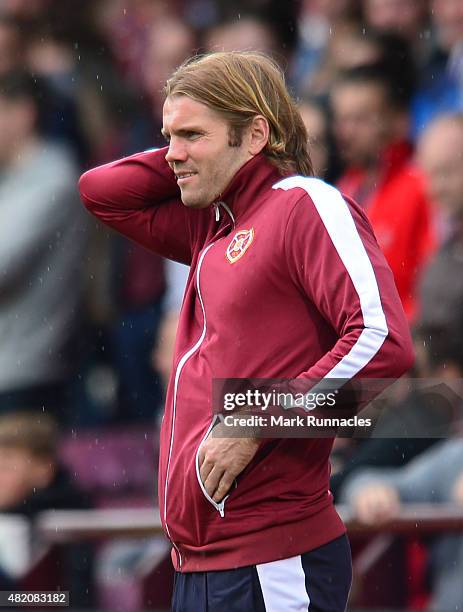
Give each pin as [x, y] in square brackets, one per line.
[287, 280]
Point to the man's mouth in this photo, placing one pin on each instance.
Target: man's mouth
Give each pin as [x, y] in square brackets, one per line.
[182, 176]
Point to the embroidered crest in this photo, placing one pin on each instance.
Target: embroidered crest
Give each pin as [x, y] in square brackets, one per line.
[239, 245]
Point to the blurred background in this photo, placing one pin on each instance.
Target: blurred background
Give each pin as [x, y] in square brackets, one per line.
[87, 319]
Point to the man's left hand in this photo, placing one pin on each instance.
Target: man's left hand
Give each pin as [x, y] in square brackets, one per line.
[221, 460]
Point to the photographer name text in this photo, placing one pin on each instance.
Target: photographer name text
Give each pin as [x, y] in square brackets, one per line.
[294, 421]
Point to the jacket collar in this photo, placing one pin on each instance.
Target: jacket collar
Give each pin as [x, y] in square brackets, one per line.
[243, 192]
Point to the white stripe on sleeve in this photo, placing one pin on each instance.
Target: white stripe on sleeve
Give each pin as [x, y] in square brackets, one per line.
[337, 219]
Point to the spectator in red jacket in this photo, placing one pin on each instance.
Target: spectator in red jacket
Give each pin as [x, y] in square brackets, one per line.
[371, 125]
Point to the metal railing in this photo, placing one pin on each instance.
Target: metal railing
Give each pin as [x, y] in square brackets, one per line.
[76, 525]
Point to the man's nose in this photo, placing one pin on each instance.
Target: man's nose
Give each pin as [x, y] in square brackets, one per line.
[176, 152]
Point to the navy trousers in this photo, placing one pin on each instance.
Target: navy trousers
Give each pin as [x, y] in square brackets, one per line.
[316, 581]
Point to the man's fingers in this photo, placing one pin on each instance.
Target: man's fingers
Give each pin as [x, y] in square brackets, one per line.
[218, 475]
[376, 503]
[458, 490]
[218, 483]
[211, 482]
[205, 469]
[223, 488]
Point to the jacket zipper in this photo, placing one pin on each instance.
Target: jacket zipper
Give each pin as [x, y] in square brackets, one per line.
[225, 206]
[220, 507]
[180, 365]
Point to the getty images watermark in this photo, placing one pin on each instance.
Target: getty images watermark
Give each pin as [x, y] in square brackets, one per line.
[276, 412]
[265, 399]
[337, 407]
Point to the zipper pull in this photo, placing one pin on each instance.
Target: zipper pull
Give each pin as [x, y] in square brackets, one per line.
[217, 212]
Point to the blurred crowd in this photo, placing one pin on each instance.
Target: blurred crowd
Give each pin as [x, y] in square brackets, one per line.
[88, 319]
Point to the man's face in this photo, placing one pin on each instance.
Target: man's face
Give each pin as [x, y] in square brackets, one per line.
[199, 151]
[20, 474]
[8, 124]
[316, 127]
[362, 122]
[448, 17]
[440, 155]
[403, 16]
[17, 119]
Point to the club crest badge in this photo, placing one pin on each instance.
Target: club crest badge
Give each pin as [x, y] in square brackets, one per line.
[240, 243]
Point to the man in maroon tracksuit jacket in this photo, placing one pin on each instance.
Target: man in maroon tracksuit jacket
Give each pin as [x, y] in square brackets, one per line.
[286, 281]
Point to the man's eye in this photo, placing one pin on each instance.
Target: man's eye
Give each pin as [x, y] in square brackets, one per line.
[193, 135]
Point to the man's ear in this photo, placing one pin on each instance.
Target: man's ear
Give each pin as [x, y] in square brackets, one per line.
[258, 133]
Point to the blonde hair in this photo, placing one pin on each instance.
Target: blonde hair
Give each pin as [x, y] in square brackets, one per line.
[239, 86]
[35, 432]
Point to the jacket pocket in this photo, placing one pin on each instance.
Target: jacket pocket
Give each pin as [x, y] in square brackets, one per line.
[220, 507]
